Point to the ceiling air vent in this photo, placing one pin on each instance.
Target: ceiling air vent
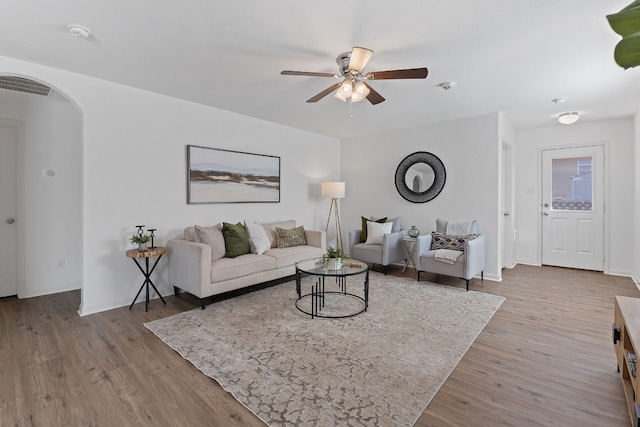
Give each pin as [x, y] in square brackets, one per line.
[23, 85]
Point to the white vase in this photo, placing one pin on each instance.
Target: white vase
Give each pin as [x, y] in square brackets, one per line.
[334, 264]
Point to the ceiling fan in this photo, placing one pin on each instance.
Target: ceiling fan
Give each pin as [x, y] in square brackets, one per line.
[353, 86]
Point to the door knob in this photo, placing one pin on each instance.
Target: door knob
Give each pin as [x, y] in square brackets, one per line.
[10, 220]
[546, 213]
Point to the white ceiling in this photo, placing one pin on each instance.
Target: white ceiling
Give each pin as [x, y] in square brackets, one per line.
[512, 56]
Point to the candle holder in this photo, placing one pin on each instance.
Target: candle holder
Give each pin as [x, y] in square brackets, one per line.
[151, 234]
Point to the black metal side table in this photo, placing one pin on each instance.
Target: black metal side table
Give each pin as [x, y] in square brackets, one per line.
[136, 254]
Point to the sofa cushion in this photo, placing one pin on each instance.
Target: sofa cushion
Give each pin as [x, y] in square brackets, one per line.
[447, 241]
[213, 237]
[270, 228]
[376, 232]
[243, 265]
[397, 223]
[363, 230]
[290, 238]
[286, 257]
[236, 240]
[258, 239]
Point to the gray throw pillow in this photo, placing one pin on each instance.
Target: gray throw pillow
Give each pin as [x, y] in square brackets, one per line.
[213, 237]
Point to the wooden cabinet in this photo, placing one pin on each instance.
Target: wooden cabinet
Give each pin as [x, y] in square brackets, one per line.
[626, 340]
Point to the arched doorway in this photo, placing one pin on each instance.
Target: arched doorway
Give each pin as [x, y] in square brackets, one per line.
[47, 216]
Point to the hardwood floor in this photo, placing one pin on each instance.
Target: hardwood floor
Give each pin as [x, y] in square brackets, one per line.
[545, 359]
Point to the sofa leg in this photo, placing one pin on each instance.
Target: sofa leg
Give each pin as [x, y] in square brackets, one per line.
[482, 275]
[418, 275]
[467, 285]
[176, 290]
[203, 304]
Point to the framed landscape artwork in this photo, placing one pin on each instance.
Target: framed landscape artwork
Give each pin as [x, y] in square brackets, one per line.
[224, 176]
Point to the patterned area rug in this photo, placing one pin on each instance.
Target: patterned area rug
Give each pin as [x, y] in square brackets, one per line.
[380, 368]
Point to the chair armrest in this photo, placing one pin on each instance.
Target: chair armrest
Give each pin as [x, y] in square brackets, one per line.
[189, 266]
[316, 238]
[393, 250]
[475, 254]
[354, 239]
[423, 245]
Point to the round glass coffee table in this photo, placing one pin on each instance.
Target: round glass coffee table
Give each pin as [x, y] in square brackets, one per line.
[327, 299]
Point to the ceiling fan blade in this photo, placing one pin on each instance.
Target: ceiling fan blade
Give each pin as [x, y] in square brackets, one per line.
[373, 96]
[359, 58]
[410, 73]
[306, 73]
[324, 93]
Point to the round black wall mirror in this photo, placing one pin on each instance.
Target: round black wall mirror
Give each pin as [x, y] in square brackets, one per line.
[420, 177]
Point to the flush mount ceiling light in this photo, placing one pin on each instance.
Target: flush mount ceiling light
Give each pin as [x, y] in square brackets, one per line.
[568, 118]
[79, 30]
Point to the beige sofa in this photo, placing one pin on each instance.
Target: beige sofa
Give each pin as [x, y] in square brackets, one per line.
[192, 270]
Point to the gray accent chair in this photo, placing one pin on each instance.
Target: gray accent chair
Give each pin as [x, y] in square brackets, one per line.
[391, 250]
[467, 266]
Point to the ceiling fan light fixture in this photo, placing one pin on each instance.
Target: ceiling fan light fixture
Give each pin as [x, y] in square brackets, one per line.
[361, 89]
[341, 96]
[568, 118]
[346, 87]
[359, 58]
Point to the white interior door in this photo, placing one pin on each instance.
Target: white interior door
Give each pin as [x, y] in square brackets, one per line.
[507, 208]
[8, 209]
[573, 207]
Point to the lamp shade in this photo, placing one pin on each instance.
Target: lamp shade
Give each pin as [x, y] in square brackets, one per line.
[333, 190]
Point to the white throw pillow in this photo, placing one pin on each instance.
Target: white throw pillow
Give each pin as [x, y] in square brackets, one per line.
[376, 231]
[258, 239]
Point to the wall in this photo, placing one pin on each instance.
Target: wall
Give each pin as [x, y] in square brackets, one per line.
[469, 149]
[619, 187]
[52, 206]
[134, 173]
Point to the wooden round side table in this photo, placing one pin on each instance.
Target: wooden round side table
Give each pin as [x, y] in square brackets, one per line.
[136, 254]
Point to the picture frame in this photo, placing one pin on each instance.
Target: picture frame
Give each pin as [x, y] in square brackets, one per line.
[216, 175]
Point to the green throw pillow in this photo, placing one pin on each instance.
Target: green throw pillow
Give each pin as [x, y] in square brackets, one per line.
[236, 240]
[363, 232]
[290, 238]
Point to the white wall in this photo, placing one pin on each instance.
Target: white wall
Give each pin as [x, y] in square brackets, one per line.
[134, 173]
[618, 135]
[52, 206]
[469, 149]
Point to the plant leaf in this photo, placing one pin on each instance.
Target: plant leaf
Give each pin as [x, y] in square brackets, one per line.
[627, 52]
[627, 21]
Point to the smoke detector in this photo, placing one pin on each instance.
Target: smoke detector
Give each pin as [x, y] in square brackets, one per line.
[79, 31]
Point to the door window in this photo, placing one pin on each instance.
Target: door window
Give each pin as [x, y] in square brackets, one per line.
[571, 184]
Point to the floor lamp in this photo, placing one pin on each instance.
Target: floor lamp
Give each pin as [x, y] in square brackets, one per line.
[334, 191]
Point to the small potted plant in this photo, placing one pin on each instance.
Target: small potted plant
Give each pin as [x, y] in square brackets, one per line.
[142, 240]
[334, 258]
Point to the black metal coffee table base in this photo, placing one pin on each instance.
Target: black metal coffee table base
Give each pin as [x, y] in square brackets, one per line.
[319, 294]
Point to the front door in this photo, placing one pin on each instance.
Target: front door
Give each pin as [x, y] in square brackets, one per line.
[573, 207]
[8, 202]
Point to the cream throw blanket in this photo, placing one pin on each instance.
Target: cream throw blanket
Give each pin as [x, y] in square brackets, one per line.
[447, 255]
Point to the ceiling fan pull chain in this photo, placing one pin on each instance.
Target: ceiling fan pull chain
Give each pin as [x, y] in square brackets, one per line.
[350, 114]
